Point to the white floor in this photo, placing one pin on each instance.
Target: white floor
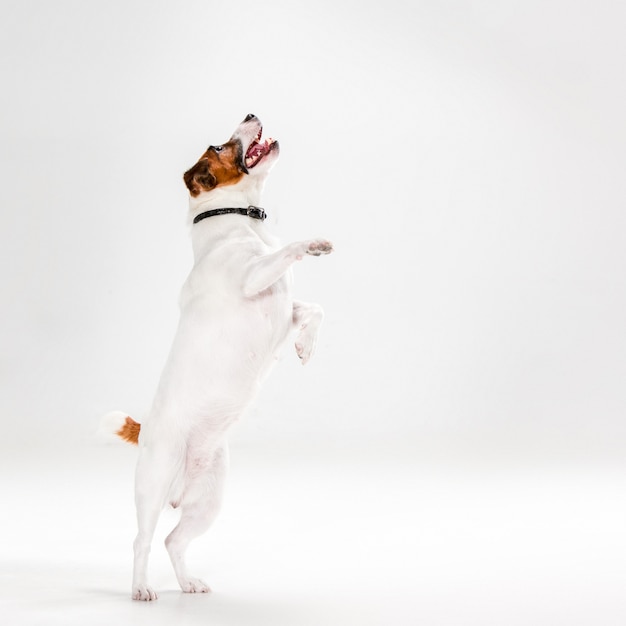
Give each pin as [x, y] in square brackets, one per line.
[324, 535]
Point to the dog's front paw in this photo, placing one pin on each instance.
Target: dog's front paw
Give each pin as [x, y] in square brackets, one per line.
[143, 592]
[305, 345]
[319, 246]
[194, 585]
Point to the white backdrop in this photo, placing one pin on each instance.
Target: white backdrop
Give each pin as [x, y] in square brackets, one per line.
[466, 159]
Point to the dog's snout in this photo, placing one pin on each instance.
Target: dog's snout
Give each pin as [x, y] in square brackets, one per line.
[249, 117]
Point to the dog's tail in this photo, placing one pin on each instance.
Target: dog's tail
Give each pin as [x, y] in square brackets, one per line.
[121, 425]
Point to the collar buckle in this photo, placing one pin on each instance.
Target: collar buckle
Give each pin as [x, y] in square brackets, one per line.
[256, 212]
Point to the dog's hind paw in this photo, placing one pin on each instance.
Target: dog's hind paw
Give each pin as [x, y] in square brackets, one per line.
[143, 592]
[194, 585]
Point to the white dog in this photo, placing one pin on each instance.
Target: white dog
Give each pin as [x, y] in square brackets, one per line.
[236, 313]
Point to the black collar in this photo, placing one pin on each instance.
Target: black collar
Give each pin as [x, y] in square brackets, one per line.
[252, 211]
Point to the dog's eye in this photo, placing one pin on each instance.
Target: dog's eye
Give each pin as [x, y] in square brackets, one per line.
[216, 148]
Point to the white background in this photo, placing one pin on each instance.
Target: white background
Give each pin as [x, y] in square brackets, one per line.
[454, 452]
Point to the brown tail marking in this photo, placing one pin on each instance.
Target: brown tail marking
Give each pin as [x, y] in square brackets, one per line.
[130, 431]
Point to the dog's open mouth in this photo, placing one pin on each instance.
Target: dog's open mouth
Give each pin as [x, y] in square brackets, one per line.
[258, 150]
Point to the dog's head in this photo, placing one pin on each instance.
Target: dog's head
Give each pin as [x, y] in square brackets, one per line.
[242, 161]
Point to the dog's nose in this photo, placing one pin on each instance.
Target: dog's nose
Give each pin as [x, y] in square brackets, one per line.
[249, 117]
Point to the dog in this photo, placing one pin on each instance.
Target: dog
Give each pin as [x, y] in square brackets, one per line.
[236, 312]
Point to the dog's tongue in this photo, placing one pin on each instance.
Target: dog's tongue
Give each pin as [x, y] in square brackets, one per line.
[255, 149]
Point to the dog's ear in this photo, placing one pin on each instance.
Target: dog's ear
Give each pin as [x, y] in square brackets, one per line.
[199, 178]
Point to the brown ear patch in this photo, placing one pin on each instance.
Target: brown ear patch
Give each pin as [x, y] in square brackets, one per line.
[215, 169]
[199, 178]
[130, 430]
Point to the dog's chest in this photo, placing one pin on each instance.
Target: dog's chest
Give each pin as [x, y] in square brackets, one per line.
[220, 273]
[213, 300]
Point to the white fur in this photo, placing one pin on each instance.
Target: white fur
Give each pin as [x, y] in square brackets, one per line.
[110, 425]
[236, 313]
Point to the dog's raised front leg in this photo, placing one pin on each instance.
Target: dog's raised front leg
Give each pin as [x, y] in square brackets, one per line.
[307, 318]
[264, 271]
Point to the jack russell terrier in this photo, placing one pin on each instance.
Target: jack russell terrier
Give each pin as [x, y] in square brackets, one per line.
[236, 311]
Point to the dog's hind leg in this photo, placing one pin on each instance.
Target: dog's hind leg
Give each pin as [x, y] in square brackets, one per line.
[307, 318]
[201, 501]
[153, 478]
